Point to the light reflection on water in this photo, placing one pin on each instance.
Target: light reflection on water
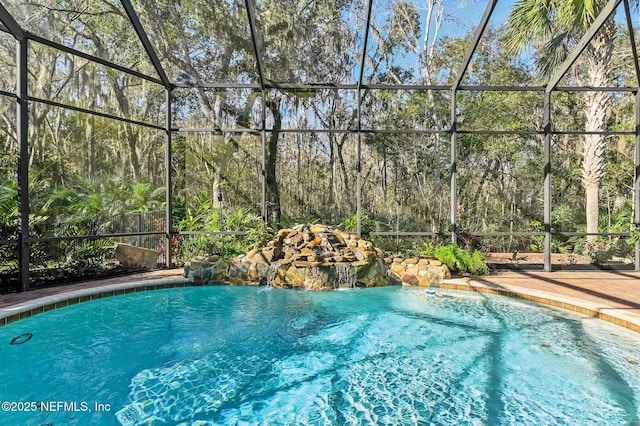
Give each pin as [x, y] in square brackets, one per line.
[246, 355]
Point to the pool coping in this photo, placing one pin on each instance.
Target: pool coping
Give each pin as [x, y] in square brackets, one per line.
[608, 313]
[39, 305]
[28, 308]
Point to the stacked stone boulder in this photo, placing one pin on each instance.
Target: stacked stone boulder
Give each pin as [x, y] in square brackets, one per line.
[317, 257]
[313, 257]
[206, 269]
[425, 272]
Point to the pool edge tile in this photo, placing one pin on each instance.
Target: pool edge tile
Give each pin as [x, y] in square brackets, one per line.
[13, 313]
[47, 303]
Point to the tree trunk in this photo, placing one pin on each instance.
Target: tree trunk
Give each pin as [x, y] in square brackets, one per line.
[134, 163]
[348, 190]
[331, 167]
[273, 193]
[598, 59]
[89, 134]
[592, 191]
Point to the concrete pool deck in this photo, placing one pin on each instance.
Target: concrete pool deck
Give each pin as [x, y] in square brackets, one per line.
[610, 296]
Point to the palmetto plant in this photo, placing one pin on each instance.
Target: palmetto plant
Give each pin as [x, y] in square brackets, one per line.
[84, 206]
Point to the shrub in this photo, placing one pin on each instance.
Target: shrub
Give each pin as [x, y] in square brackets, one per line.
[208, 237]
[459, 260]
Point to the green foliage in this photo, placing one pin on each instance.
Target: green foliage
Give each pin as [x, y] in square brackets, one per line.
[8, 224]
[82, 206]
[350, 224]
[9, 228]
[207, 232]
[559, 244]
[90, 254]
[459, 260]
[367, 223]
[429, 249]
[8, 210]
[88, 205]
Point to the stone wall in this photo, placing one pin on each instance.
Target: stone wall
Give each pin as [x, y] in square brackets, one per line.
[206, 269]
[318, 257]
[425, 272]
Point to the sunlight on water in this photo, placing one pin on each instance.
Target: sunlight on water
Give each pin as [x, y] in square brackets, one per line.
[243, 355]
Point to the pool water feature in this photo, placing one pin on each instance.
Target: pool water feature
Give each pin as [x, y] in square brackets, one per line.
[246, 355]
[346, 276]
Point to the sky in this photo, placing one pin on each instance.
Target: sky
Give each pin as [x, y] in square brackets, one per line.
[463, 16]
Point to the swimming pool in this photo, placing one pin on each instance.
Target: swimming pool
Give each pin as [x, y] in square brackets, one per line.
[247, 355]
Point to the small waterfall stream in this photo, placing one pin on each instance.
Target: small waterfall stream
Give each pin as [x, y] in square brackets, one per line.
[270, 274]
[346, 278]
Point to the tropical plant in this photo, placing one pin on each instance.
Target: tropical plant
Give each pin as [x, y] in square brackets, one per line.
[88, 255]
[8, 225]
[206, 230]
[8, 210]
[553, 28]
[457, 259]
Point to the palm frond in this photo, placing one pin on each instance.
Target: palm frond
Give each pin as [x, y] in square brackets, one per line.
[578, 13]
[552, 54]
[530, 20]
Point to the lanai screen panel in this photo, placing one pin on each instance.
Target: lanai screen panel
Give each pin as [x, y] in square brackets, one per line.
[406, 181]
[317, 176]
[216, 178]
[506, 111]
[615, 200]
[8, 156]
[8, 142]
[7, 63]
[501, 183]
[201, 42]
[96, 27]
[303, 109]
[406, 110]
[573, 110]
[215, 109]
[88, 176]
[575, 166]
[71, 80]
[311, 42]
[207, 164]
[492, 63]
[403, 37]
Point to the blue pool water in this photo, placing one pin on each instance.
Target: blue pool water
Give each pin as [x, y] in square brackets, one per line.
[247, 355]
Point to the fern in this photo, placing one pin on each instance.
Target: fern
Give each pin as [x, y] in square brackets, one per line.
[477, 264]
[90, 253]
[428, 249]
[447, 255]
[461, 260]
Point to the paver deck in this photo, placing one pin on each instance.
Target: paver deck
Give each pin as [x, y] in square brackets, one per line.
[611, 296]
[10, 299]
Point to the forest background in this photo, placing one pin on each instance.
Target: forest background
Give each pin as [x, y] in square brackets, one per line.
[93, 175]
